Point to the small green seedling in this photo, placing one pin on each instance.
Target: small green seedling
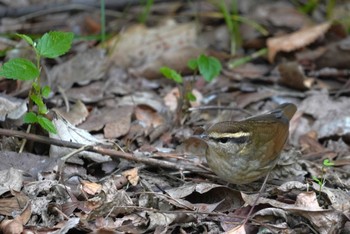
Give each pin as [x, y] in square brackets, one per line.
[50, 45]
[177, 78]
[321, 182]
[208, 67]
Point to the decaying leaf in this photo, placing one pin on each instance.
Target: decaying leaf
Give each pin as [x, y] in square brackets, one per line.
[132, 175]
[148, 116]
[12, 108]
[306, 205]
[89, 93]
[295, 40]
[68, 132]
[120, 125]
[82, 69]
[10, 179]
[76, 115]
[145, 50]
[91, 187]
[330, 120]
[205, 197]
[292, 75]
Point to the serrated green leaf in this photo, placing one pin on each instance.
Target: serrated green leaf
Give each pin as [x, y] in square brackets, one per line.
[54, 44]
[19, 69]
[46, 124]
[192, 64]
[171, 74]
[30, 118]
[46, 90]
[40, 103]
[209, 67]
[26, 38]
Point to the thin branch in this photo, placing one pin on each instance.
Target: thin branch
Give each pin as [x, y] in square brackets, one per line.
[102, 150]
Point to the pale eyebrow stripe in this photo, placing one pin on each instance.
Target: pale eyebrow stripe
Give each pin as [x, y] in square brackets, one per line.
[229, 135]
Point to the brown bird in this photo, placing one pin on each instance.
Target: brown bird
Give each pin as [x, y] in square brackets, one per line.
[244, 151]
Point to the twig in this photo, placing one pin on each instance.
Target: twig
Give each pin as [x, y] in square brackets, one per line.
[101, 150]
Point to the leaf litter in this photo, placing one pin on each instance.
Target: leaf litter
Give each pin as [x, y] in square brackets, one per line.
[113, 96]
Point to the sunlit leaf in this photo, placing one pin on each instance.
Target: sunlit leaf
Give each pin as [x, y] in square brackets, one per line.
[19, 69]
[46, 124]
[54, 44]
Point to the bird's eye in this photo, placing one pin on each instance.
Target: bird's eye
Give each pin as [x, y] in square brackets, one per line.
[223, 140]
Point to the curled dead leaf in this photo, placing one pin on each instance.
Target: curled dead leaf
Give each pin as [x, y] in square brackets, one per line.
[296, 40]
[132, 175]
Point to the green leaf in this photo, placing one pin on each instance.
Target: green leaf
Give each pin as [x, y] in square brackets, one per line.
[328, 163]
[171, 74]
[316, 180]
[19, 69]
[209, 67]
[190, 97]
[54, 44]
[40, 103]
[36, 87]
[46, 90]
[192, 64]
[30, 118]
[26, 38]
[46, 124]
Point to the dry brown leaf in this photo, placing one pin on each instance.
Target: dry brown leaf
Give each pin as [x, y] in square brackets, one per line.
[148, 116]
[10, 179]
[76, 115]
[14, 226]
[306, 205]
[331, 116]
[139, 45]
[295, 40]
[88, 93]
[143, 98]
[91, 187]
[12, 108]
[120, 125]
[292, 75]
[171, 99]
[83, 68]
[205, 197]
[132, 175]
[237, 230]
[68, 132]
[145, 50]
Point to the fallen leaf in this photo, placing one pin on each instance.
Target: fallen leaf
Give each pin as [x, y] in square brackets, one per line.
[76, 115]
[11, 107]
[68, 132]
[91, 187]
[148, 116]
[132, 175]
[296, 40]
[145, 50]
[82, 69]
[10, 179]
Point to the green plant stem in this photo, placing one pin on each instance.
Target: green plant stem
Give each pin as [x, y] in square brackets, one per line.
[230, 26]
[143, 17]
[238, 62]
[251, 23]
[329, 9]
[235, 27]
